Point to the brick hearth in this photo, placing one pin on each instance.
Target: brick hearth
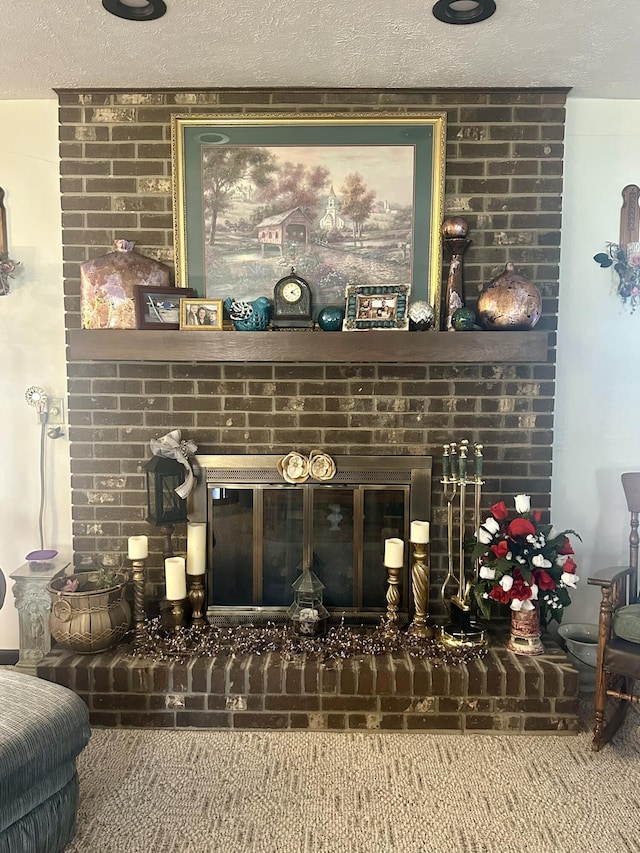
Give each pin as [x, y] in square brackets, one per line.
[501, 693]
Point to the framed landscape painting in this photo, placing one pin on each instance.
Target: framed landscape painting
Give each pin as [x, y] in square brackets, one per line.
[345, 199]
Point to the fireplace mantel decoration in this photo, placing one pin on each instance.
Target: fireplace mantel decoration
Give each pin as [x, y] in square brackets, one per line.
[184, 644]
[297, 468]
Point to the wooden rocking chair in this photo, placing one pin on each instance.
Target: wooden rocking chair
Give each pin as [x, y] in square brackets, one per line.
[618, 660]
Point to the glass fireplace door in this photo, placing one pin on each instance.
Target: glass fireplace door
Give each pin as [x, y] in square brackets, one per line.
[263, 532]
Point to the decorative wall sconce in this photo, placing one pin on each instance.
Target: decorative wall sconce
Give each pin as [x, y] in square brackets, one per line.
[7, 264]
[624, 256]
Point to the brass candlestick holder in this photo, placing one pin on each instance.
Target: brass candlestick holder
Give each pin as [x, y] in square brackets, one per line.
[196, 600]
[177, 614]
[420, 589]
[390, 628]
[461, 631]
[137, 576]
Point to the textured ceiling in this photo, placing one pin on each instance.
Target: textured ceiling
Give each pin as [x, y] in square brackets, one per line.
[592, 46]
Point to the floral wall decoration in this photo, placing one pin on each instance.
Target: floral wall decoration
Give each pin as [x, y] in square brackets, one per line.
[7, 269]
[624, 256]
[625, 260]
[7, 264]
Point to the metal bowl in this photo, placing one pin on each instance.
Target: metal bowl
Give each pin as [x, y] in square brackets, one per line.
[581, 640]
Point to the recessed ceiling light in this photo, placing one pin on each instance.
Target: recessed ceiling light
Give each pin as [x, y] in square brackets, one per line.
[136, 10]
[463, 11]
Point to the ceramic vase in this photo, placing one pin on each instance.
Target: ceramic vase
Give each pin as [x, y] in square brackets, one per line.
[509, 302]
[525, 632]
[107, 286]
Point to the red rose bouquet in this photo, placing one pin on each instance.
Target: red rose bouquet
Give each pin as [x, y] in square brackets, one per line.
[522, 562]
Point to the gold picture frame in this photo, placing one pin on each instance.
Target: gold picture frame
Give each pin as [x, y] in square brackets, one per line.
[344, 197]
[201, 315]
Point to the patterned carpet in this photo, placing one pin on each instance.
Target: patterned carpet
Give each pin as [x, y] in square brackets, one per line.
[302, 792]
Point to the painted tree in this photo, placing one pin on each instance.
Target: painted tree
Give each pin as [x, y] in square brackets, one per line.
[222, 169]
[356, 202]
[296, 185]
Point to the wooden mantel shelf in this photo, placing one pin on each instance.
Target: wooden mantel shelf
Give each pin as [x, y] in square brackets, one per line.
[370, 346]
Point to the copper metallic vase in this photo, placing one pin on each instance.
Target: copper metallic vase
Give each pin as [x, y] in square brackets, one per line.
[509, 302]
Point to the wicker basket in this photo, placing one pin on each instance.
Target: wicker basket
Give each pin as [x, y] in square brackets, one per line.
[92, 620]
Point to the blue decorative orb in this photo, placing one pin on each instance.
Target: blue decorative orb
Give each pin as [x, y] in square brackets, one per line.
[330, 318]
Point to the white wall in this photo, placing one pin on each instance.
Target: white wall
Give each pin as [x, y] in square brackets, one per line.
[31, 342]
[598, 399]
[597, 427]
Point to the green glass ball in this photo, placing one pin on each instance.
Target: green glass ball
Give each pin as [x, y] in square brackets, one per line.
[463, 320]
[330, 318]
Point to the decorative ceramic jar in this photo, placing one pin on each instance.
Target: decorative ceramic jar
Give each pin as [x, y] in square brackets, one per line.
[509, 302]
[525, 633]
[107, 286]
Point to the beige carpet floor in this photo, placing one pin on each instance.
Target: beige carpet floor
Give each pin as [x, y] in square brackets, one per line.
[304, 792]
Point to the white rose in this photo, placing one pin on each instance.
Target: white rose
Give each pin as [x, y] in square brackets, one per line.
[484, 536]
[506, 582]
[523, 503]
[561, 559]
[492, 525]
[517, 604]
[534, 592]
[540, 562]
[487, 573]
[569, 579]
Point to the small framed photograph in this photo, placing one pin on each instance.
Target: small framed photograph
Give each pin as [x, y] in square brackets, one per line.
[159, 307]
[376, 307]
[203, 315]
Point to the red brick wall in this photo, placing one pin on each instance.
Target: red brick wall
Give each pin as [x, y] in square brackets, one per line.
[504, 175]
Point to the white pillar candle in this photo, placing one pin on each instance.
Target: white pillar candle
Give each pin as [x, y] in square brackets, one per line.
[394, 553]
[196, 547]
[138, 547]
[420, 531]
[175, 578]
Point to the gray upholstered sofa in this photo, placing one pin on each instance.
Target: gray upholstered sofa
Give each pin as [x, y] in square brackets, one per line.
[43, 728]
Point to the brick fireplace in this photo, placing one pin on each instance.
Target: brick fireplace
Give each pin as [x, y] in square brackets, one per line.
[504, 169]
[503, 174]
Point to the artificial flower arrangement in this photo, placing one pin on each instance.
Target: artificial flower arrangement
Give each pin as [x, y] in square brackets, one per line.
[626, 262]
[7, 270]
[522, 562]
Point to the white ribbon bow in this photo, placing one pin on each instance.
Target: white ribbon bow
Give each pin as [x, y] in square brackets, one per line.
[171, 446]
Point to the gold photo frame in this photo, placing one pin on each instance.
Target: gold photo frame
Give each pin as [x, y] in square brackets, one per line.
[201, 315]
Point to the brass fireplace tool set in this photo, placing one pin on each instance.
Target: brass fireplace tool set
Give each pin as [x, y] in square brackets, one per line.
[461, 631]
